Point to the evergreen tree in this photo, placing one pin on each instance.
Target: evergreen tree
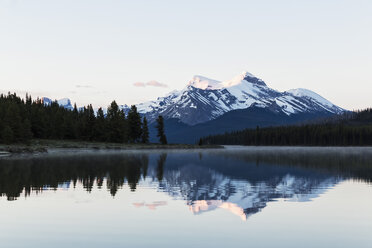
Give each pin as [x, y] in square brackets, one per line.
[100, 126]
[7, 136]
[145, 131]
[134, 125]
[115, 123]
[90, 122]
[13, 120]
[26, 131]
[160, 128]
[123, 125]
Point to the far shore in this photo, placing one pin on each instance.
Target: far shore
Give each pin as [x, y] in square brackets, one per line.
[43, 146]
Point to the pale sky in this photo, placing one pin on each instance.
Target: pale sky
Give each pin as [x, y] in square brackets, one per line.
[94, 51]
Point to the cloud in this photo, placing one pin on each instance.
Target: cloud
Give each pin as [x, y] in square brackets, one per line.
[86, 86]
[156, 84]
[151, 83]
[139, 84]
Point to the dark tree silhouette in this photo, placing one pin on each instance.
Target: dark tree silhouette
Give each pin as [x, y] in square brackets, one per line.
[21, 120]
[134, 125]
[160, 128]
[116, 124]
[349, 130]
[145, 131]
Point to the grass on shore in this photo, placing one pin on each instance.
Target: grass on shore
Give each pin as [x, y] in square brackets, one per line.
[38, 145]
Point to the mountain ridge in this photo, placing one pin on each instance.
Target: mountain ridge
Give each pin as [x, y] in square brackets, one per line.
[205, 99]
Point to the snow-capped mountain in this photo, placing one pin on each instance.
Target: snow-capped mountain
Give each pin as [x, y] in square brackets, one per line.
[204, 99]
[65, 102]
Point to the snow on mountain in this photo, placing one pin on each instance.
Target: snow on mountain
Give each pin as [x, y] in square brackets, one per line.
[205, 83]
[65, 102]
[304, 93]
[205, 99]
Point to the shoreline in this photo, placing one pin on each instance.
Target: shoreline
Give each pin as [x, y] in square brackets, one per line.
[44, 146]
[50, 146]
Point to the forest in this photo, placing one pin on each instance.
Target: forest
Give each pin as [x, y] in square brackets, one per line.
[22, 120]
[351, 129]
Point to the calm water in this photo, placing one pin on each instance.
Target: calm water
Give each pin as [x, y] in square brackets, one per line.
[236, 197]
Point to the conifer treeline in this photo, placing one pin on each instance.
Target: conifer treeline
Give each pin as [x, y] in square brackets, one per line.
[24, 119]
[356, 130]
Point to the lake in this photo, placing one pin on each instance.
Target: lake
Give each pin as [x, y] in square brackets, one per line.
[233, 197]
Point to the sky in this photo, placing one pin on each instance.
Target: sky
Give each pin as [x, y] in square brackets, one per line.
[95, 51]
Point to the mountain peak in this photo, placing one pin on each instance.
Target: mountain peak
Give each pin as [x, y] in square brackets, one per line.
[252, 79]
[245, 74]
[204, 83]
[243, 78]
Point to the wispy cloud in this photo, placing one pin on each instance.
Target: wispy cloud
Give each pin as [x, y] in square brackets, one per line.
[151, 83]
[156, 84]
[139, 84]
[86, 86]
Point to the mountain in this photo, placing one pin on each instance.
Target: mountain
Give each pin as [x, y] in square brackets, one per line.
[207, 106]
[205, 99]
[65, 102]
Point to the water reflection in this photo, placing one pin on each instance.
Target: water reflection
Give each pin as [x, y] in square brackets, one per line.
[242, 182]
[19, 175]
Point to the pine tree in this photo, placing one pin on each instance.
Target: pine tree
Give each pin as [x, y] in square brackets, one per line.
[13, 120]
[26, 131]
[145, 131]
[90, 122]
[7, 135]
[123, 127]
[115, 123]
[100, 126]
[134, 125]
[160, 128]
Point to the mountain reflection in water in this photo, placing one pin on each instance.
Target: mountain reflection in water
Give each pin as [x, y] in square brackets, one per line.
[242, 182]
